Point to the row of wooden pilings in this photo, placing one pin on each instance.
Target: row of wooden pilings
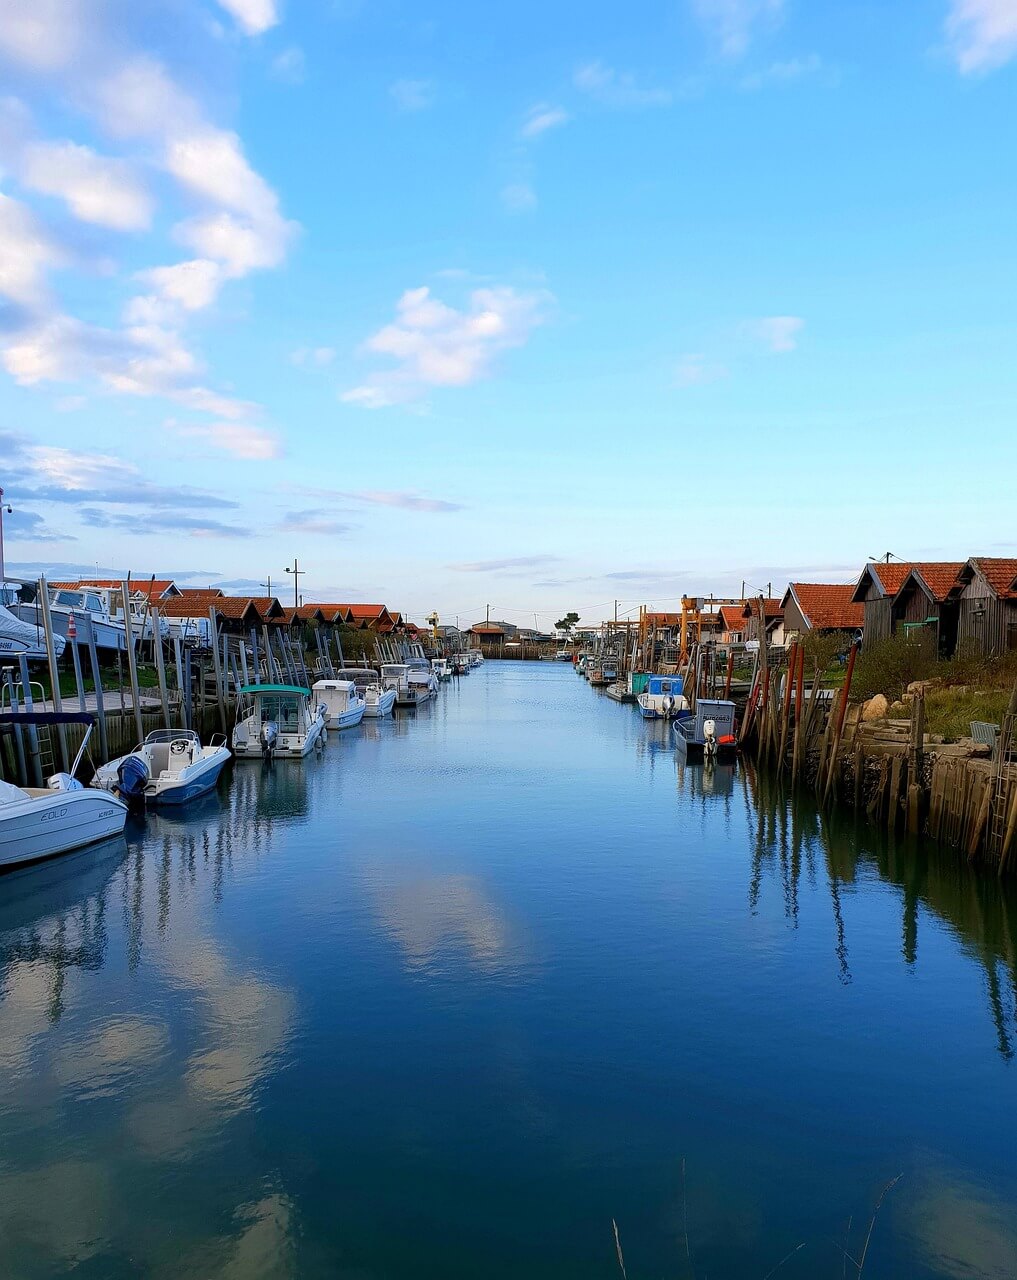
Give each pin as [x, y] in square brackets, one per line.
[889, 770]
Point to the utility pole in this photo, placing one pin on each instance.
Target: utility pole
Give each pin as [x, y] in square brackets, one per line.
[297, 575]
[9, 511]
[488, 615]
[267, 585]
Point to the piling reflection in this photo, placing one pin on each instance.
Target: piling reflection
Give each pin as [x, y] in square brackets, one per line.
[791, 837]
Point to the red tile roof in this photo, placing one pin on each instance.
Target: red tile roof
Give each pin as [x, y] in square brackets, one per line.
[827, 606]
[731, 617]
[939, 576]
[1001, 575]
[483, 629]
[772, 609]
[237, 608]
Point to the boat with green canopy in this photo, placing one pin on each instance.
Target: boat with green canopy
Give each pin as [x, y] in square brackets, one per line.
[277, 720]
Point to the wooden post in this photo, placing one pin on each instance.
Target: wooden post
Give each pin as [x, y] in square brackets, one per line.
[100, 695]
[160, 665]
[841, 712]
[178, 663]
[796, 751]
[33, 734]
[270, 675]
[187, 693]
[132, 660]
[54, 669]
[915, 762]
[19, 741]
[789, 682]
[220, 688]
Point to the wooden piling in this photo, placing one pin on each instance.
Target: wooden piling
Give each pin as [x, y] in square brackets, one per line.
[132, 659]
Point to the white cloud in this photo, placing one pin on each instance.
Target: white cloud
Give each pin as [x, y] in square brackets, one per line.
[780, 333]
[96, 188]
[542, 117]
[731, 22]
[191, 285]
[412, 95]
[252, 16]
[695, 370]
[26, 254]
[983, 33]
[289, 67]
[41, 34]
[319, 357]
[518, 197]
[436, 345]
[137, 98]
[617, 88]
[236, 438]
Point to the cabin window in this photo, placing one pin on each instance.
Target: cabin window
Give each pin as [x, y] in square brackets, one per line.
[93, 603]
[69, 598]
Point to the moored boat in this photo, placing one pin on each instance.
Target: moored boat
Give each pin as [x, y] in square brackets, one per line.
[169, 767]
[343, 702]
[708, 732]
[378, 701]
[277, 720]
[43, 822]
[662, 698]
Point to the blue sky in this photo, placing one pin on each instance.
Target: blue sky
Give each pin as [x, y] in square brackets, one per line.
[533, 305]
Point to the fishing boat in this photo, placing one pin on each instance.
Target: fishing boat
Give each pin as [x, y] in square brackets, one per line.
[476, 657]
[396, 675]
[43, 822]
[170, 767]
[378, 701]
[708, 732]
[460, 664]
[441, 668]
[344, 705]
[277, 720]
[662, 698]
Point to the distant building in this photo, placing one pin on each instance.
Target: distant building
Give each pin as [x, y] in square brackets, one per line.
[820, 607]
[986, 594]
[773, 615]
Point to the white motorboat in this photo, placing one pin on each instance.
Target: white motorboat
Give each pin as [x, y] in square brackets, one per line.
[277, 720]
[441, 668]
[84, 603]
[662, 698]
[378, 700]
[396, 676]
[170, 767]
[20, 638]
[42, 822]
[475, 657]
[344, 705]
[460, 663]
[421, 678]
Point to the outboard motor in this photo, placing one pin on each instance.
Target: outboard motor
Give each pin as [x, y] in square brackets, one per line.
[64, 782]
[709, 739]
[132, 779]
[268, 737]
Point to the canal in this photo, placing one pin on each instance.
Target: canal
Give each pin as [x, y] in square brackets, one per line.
[453, 996]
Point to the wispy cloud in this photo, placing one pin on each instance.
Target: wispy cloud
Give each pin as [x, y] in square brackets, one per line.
[28, 526]
[779, 333]
[519, 197]
[314, 520]
[289, 66]
[412, 95]
[144, 525]
[983, 33]
[541, 118]
[778, 73]
[618, 88]
[236, 438]
[504, 566]
[313, 357]
[405, 501]
[435, 345]
[697, 370]
[732, 23]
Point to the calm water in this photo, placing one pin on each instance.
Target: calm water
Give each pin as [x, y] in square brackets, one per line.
[449, 998]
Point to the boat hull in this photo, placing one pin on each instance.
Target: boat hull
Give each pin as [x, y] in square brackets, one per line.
[47, 825]
[198, 780]
[291, 750]
[383, 707]
[348, 719]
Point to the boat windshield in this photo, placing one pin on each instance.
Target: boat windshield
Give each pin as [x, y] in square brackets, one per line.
[169, 735]
[281, 708]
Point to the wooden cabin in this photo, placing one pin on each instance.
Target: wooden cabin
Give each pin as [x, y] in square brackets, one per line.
[820, 607]
[773, 615]
[986, 594]
[733, 625]
[875, 591]
[927, 600]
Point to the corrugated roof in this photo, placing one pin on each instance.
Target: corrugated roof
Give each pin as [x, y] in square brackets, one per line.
[827, 606]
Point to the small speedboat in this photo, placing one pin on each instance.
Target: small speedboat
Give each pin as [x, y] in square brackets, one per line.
[277, 720]
[421, 678]
[441, 668]
[343, 703]
[378, 700]
[170, 767]
[460, 664]
[42, 822]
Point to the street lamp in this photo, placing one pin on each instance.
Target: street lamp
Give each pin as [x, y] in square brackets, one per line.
[297, 575]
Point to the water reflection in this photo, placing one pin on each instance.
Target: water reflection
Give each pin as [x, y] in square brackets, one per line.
[176, 1044]
[791, 837]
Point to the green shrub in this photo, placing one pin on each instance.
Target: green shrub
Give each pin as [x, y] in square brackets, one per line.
[889, 666]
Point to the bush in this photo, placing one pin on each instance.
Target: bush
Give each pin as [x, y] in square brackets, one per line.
[889, 666]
